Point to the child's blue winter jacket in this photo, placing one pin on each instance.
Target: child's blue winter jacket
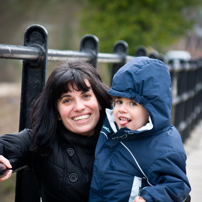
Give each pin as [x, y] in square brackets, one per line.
[150, 163]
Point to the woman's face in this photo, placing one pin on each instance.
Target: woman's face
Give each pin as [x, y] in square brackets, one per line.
[79, 111]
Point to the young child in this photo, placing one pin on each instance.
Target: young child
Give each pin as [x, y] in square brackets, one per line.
[139, 155]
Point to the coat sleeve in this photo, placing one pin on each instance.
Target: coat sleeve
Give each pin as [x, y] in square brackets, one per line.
[167, 175]
[15, 147]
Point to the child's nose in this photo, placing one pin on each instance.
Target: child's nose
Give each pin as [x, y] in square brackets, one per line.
[123, 108]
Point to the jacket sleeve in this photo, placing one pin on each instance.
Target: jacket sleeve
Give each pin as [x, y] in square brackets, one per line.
[167, 176]
[15, 147]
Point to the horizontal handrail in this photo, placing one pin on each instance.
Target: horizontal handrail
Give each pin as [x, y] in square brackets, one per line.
[58, 55]
[34, 53]
[19, 52]
[185, 96]
[191, 118]
[4, 169]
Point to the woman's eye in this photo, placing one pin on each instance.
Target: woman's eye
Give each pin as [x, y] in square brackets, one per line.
[86, 95]
[66, 101]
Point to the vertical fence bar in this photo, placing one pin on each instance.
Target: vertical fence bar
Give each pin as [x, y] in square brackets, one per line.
[188, 84]
[33, 80]
[140, 51]
[121, 48]
[178, 107]
[90, 44]
[198, 98]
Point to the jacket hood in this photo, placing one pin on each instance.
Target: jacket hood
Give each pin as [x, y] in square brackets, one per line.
[148, 82]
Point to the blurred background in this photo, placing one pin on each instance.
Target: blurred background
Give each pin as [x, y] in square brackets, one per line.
[157, 25]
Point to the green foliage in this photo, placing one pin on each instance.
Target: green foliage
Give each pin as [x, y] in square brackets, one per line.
[153, 23]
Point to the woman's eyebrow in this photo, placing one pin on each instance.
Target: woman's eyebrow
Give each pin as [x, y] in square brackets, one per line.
[66, 95]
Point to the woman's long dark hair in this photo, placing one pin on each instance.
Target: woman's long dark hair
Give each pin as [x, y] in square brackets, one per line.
[44, 116]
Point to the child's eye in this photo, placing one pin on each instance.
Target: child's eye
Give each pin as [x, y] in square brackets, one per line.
[118, 102]
[133, 103]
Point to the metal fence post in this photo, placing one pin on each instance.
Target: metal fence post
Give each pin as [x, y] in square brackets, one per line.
[121, 48]
[198, 97]
[33, 80]
[90, 44]
[177, 85]
[140, 51]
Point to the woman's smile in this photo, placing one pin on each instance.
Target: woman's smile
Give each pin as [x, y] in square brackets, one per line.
[79, 111]
[81, 117]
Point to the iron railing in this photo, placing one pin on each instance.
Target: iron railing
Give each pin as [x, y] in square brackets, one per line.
[186, 79]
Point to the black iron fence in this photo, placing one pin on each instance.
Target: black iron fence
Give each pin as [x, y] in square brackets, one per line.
[186, 79]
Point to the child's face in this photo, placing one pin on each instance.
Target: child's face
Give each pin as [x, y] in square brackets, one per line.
[129, 114]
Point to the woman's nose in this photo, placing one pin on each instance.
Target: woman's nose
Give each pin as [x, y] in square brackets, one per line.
[79, 106]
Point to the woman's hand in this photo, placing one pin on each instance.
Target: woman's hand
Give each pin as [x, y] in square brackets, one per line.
[139, 199]
[5, 165]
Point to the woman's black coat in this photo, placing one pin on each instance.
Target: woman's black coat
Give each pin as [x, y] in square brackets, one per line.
[63, 176]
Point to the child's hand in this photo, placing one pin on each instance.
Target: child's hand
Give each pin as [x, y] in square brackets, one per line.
[139, 199]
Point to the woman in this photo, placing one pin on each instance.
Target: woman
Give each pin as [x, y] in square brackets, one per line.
[65, 123]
